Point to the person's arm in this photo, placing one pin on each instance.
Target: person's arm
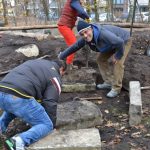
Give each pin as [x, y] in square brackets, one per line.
[115, 41]
[72, 49]
[50, 99]
[75, 4]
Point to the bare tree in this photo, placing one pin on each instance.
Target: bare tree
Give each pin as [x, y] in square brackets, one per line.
[34, 8]
[111, 10]
[26, 12]
[149, 11]
[13, 14]
[88, 7]
[4, 3]
[96, 10]
[131, 4]
[60, 5]
[46, 8]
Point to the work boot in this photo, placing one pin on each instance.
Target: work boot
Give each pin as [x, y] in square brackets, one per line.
[103, 86]
[112, 93]
[14, 143]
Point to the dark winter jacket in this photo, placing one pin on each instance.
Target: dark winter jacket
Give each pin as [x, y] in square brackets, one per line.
[35, 78]
[71, 11]
[105, 38]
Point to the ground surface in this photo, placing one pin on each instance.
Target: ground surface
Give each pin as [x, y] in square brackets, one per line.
[115, 131]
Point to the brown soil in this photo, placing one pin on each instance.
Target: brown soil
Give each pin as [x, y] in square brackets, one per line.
[115, 132]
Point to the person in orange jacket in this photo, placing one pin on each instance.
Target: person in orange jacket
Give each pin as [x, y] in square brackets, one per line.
[70, 12]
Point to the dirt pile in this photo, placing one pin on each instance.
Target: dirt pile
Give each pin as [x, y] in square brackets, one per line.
[9, 43]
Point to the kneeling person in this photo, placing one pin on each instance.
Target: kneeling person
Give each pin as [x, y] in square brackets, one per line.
[20, 91]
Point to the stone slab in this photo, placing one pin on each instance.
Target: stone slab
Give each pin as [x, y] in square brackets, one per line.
[78, 87]
[82, 75]
[29, 50]
[83, 139]
[135, 107]
[78, 115]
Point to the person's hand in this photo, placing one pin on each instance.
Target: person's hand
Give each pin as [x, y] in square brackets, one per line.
[114, 60]
[89, 20]
[59, 56]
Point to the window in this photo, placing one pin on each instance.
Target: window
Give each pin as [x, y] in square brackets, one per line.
[118, 1]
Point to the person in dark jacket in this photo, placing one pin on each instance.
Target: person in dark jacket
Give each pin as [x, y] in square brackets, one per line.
[70, 12]
[21, 90]
[112, 44]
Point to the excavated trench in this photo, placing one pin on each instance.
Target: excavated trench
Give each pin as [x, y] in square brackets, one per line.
[115, 131]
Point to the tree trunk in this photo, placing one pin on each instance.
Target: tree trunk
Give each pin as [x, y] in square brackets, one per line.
[46, 9]
[88, 7]
[96, 10]
[4, 3]
[26, 12]
[111, 11]
[133, 16]
[131, 4]
[34, 9]
[13, 13]
[149, 11]
[60, 5]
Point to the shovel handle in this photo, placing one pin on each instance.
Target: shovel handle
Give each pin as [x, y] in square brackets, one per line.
[145, 88]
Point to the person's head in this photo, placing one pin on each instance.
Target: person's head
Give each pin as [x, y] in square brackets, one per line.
[85, 30]
[62, 66]
[82, 2]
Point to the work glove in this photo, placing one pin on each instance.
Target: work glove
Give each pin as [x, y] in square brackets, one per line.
[89, 20]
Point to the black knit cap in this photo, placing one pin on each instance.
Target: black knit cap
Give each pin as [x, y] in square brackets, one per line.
[82, 25]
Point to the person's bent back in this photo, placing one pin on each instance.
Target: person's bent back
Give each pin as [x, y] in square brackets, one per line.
[20, 91]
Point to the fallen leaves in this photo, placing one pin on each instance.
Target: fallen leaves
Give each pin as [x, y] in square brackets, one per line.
[117, 139]
[136, 135]
[122, 128]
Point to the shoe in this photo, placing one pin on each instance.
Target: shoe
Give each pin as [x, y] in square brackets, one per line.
[103, 86]
[10, 144]
[14, 143]
[112, 93]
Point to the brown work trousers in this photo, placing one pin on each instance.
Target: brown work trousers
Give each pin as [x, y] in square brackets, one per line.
[113, 73]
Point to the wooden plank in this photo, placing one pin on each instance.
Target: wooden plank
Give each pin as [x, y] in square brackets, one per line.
[124, 25]
[91, 98]
[28, 27]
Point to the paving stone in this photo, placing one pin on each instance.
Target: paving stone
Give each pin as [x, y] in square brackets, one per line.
[135, 107]
[78, 87]
[78, 76]
[78, 114]
[82, 139]
[29, 50]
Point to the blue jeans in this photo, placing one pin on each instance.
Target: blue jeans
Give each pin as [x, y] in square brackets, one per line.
[30, 111]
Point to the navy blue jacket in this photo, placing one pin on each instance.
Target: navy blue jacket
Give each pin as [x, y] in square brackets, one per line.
[35, 78]
[105, 38]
